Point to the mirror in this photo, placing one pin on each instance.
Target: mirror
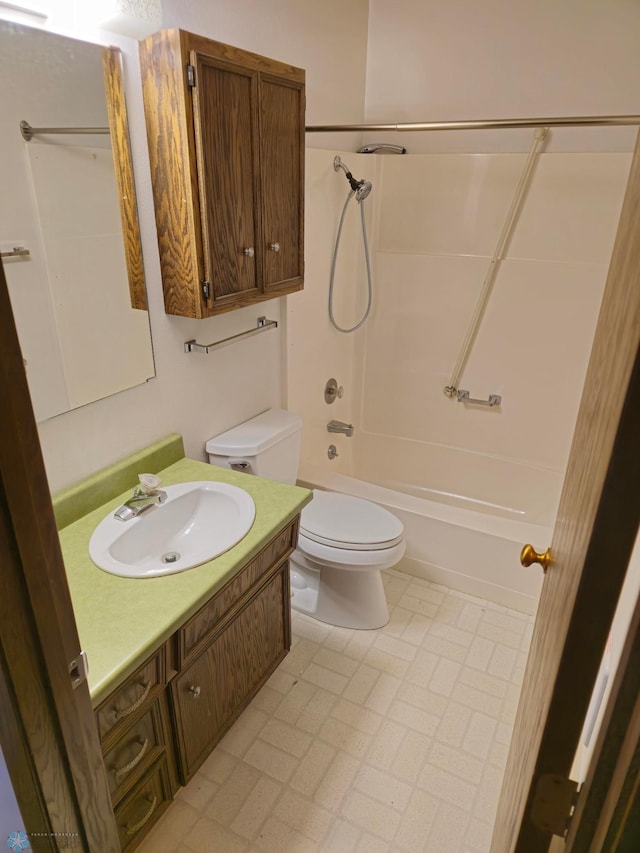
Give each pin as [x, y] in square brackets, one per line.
[75, 277]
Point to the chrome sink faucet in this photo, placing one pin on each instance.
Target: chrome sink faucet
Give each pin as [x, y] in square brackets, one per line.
[339, 426]
[146, 495]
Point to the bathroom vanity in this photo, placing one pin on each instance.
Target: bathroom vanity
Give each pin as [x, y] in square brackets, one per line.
[174, 660]
[225, 129]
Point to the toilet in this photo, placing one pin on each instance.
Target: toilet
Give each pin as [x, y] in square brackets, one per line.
[344, 542]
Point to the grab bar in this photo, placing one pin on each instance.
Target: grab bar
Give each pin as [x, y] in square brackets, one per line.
[262, 325]
[16, 252]
[507, 229]
[494, 399]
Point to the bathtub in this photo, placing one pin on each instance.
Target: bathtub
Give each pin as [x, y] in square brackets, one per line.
[465, 523]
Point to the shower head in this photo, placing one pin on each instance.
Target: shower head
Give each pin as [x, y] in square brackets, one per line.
[382, 148]
[364, 188]
[360, 188]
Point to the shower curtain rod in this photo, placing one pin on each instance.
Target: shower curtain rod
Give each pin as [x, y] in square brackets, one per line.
[482, 124]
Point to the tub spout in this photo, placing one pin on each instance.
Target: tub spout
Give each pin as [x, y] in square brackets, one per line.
[339, 426]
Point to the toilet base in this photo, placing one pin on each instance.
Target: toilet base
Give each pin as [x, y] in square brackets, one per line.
[348, 599]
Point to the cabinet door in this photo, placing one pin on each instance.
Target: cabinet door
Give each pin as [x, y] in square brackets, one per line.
[282, 165]
[225, 117]
[213, 690]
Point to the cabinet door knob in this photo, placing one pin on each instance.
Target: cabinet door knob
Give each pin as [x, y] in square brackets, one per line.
[275, 247]
[249, 251]
[194, 690]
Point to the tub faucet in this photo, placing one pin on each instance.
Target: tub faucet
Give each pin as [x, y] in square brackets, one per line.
[139, 502]
[339, 426]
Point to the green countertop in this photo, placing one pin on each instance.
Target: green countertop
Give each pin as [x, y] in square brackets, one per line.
[122, 621]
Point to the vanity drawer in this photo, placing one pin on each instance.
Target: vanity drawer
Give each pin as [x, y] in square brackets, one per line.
[137, 692]
[136, 749]
[195, 634]
[142, 807]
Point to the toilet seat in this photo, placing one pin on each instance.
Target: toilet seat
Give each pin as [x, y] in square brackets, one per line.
[344, 522]
[319, 555]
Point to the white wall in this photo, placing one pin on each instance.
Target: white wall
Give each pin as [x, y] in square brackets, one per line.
[432, 60]
[328, 39]
[195, 395]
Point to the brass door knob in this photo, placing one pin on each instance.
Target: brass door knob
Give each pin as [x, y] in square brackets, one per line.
[529, 555]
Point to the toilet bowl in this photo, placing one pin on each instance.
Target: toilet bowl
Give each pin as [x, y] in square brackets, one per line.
[344, 542]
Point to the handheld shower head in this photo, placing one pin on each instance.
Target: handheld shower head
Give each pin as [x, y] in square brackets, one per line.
[364, 188]
[360, 188]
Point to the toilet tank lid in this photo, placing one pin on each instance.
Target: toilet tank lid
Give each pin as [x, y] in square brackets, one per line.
[255, 435]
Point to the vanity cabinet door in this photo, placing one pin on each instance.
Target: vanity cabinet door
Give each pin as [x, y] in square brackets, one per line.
[212, 691]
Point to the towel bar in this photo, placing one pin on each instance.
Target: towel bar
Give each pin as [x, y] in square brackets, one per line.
[262, 325]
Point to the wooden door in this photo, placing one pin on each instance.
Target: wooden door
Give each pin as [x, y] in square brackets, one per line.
[592, 541]
[225, 98]
[282, 168]
[47, 727]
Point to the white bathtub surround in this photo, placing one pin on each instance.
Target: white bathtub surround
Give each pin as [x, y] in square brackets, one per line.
[439, 217]
[435, 222]
[388, 740]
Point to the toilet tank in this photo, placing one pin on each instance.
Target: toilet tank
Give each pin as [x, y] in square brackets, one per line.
[267, 445]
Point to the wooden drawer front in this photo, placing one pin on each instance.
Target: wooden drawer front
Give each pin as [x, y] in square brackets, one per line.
[193, 635]
[137, 748]
[142, 807]
[213, 690]
[137, 692]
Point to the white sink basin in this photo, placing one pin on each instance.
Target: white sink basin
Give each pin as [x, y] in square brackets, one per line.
[197, 522]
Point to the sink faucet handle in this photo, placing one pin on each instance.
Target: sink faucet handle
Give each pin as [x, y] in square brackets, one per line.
[148, 483]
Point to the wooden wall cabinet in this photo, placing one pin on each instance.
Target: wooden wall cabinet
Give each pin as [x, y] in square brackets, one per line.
[225, 129]
[158, 727]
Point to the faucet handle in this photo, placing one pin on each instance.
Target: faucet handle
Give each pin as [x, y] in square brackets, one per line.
[148, 483]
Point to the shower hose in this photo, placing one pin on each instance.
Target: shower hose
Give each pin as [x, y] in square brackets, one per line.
[333, 268]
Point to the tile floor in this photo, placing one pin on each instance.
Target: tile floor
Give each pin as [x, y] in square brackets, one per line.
[371, 741]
